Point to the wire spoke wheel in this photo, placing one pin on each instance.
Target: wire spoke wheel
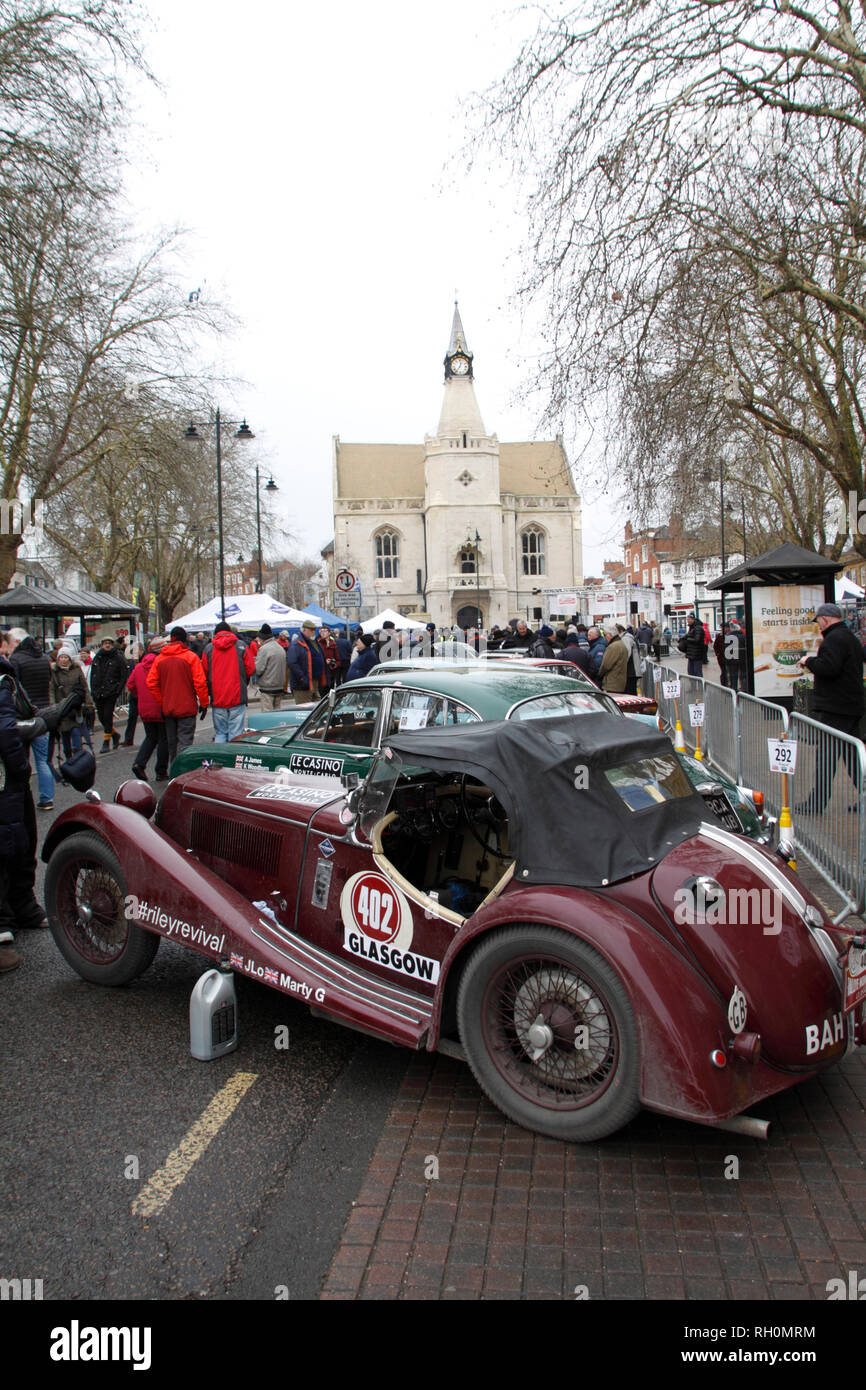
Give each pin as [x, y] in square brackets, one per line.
[549, 1033]
[85, 897]
[90, 906]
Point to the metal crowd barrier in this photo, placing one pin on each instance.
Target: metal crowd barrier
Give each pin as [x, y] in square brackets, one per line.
[759, 720]
[692, 688]
[721, 733]
[829, 806]
[827, 791]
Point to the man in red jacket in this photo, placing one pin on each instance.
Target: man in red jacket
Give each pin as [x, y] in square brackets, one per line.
[177, 683]
[228, 663]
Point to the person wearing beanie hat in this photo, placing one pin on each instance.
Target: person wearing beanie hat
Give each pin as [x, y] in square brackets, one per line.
[366, 656]
[270, 669]
[306, 665]
[543, 645]
[837, 701]
[177, 683]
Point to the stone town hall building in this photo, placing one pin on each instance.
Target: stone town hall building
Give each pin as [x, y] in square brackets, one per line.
[459, 520]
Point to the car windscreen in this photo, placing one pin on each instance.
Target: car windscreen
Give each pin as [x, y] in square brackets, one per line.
[551, 706]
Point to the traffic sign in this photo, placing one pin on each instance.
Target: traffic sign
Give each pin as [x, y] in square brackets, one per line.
[344, 581]
[352, 600]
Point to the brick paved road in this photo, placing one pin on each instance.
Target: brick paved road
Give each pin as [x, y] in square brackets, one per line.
[648, 1213]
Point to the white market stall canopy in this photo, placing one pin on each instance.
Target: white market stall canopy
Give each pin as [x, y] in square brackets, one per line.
[388, 615]
[246, 611]
[846, 588]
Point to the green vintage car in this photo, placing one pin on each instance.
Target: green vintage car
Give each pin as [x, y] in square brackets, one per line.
[344, 731]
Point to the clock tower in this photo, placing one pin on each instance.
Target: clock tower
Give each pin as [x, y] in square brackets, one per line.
[462, 501]
[458, 358]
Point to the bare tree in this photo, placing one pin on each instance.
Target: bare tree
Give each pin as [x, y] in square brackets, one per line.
[695, 172]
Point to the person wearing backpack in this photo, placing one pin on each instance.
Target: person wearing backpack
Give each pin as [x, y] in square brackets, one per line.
[228, 664]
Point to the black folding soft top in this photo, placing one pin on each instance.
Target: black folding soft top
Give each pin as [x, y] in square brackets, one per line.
[591, 798]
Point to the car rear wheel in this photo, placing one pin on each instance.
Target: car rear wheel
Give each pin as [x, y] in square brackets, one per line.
[550, 1034]
[85, 898]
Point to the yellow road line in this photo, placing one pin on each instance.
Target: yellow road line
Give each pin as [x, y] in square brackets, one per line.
[157, 1193]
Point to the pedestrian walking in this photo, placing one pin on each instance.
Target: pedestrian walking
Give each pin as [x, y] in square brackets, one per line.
[151, 714]
[228, 664]
[18, 906]
[837, 701]
[67, 676]
[32, 668]
[176, 681]
[719, 651]
[694, 647]
[108, 676]
[135, 654]
[735, 656]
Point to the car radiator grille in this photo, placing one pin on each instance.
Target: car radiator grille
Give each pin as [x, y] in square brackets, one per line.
[238, 843]
[722, 808]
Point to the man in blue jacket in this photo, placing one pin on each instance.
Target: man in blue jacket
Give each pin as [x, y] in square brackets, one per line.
[306, 665]
[365, 656]
[597, 648]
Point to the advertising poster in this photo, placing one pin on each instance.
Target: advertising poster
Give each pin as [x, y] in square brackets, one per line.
[783, 630]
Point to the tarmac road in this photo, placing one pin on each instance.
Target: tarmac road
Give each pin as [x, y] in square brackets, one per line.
[98, 1090]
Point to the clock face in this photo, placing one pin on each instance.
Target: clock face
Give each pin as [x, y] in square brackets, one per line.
[459, 366]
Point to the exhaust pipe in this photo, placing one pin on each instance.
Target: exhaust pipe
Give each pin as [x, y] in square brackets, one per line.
[744, 1124]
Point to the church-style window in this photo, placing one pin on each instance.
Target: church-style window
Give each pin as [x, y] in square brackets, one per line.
[467, 562]
[533, 551]
[387, 555]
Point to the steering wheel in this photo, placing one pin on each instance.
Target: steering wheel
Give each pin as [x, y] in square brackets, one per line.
[488, 815]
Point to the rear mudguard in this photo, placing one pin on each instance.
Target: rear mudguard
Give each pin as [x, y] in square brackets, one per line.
[680, 1018]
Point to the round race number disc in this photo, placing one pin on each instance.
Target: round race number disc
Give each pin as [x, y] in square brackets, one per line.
[372, 905]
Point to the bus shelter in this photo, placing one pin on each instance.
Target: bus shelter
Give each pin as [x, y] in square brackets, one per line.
[781, 590]
[46, 613]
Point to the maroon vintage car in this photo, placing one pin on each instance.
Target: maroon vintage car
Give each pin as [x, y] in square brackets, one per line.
[551, 901]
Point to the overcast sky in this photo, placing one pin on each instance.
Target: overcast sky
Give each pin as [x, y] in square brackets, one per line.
[314, 154]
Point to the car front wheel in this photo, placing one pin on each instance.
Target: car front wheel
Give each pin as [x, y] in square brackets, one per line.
[85, 898]
[549, 1033]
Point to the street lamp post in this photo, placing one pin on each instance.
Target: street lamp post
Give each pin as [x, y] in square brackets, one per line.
[478, 579]
[270, 486]
[191, 435]
[708, 478]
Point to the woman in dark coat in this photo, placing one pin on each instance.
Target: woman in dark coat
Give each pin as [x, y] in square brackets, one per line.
[66, 676]
[108, 676]
[694, 647]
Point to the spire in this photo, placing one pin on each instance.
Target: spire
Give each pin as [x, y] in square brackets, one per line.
[458, 337]
[460, 413]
